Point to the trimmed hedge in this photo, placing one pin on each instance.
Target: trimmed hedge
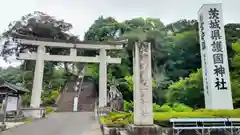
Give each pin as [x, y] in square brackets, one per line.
[121, 119]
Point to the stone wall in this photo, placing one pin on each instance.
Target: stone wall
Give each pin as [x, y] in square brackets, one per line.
[153, 130]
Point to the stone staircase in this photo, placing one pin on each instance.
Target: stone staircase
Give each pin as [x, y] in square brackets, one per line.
[87, 97]
[86, 101]
[65, 102]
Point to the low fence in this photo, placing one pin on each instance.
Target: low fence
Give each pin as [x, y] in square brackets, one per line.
[29, 112]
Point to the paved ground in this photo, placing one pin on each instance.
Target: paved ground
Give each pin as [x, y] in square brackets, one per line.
[70, 123]
[13, 124]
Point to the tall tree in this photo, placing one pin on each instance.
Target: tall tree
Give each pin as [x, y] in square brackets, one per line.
[37, 25]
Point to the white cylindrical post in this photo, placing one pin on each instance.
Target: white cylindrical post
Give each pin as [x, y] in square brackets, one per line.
[103, 78]
[38, 80]
[75, 104]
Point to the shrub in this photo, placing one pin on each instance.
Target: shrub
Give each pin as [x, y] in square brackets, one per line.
[116, 119]
[181, 108]
[54, 94]
[166, 108]
[49, 109]
[127, 118]
[156, 108]
[49, 98]
[27, 120]
[128, 106]
[202, 110]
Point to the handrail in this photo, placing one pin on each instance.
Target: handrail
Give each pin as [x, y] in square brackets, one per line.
[202, 124]
[80, 87]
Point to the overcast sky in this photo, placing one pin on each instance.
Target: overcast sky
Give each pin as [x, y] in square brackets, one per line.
[82, 13]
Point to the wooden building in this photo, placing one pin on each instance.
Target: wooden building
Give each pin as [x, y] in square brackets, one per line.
[11, 89]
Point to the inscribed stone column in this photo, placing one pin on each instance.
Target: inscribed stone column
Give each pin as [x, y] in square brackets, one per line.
[38, 80]
[136, 83]
[217, 85]
[143, 86]
[103, 78]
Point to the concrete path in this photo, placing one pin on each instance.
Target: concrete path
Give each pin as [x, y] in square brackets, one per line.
[70, 123]
[13, 124]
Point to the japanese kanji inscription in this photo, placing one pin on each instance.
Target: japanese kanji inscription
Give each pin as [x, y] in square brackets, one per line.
[215, 68]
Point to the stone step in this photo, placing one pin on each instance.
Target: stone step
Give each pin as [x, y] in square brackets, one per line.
[86, 99]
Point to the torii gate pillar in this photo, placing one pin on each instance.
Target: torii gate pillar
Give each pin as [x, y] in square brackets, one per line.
[38, 80]
[103, 78]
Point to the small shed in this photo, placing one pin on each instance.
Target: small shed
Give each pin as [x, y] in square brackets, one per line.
[10, 89]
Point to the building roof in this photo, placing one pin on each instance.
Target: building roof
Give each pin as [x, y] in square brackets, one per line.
[14, 87]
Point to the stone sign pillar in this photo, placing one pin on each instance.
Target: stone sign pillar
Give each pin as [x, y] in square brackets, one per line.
[37, 81]
[217, 86]
[143, 114]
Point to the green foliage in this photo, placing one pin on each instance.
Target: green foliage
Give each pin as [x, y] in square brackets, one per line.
[176, 107]
[92, 70]
[176, 62]
[188, 91]
[26, 99]
[129, 80]
[54, 94]
[49, 98]
[181, 108]
[198, 114]
[27, 120]
[128, 106]
[235, 74]
[156, 108]
[121, 119]
[116, 119]
[166, 108]
[49, 109]
[55, 81]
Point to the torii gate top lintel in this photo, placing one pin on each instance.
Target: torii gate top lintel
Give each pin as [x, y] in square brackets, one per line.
[108, 46]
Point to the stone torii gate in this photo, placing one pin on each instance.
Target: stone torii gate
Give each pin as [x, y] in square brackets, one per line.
[40, 56]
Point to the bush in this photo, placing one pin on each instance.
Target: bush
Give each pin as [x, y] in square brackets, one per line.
[28, 120]
[49, 98]
[49, 109]
[128, 106]
[198, 114]
[116, 119]
[54, 95]
[26, 99]
[166, 108]
[156, 108]
[181, 108]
